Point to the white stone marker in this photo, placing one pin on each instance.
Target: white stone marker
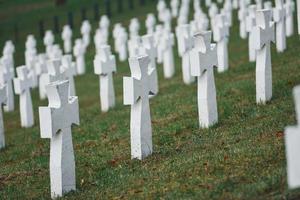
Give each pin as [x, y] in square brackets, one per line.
[134, 27]
[167, 42]
[289, 18]
[48, 41]
[67, 38]
[55, 123]
[42, 73]
[292, 147]
[149, 49]
[221, 33]
[264, 35]
[69, 71]
[174, 7]
[22, 84]
[136, 92]
[203, 59]
[99, 39]
[3, 100]
[150, 23]
[157, 42]
[55, 71]
[6, 78]
[121, 42]
[79, 52]
[85, 32]
[250, 25]
[134, 45]
[279, 18]
[31, 58]
[104, 27]
[185, 44]
[8, 53]
[105, 66]
[242, 14]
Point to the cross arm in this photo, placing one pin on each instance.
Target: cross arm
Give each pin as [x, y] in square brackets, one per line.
[131, 88]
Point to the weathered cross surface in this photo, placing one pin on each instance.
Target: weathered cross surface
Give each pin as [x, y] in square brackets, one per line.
[264, 35]
[55, 71]
[279, 18]
[149, 49]
[221, 33]
[55, 123]
[203, 58]
[105, 66]
[6, 78]
[136, 93]
[3, 93]
[292, 138]
[23, 83]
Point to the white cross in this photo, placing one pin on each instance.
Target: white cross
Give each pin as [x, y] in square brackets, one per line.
[67, 38]
[292, 138]
[167, 43]
[185, 44]
[69, 71]
[203, 59]
[264, 34]
[221, 33]
[105, 66]
[250, 24]
[6, 77]
[3, 101]
[136, 93]
[55, 123]
[55, 71]
[242, 15]
[279, 18]
[22, 84]
[289, 19]
[79, 51]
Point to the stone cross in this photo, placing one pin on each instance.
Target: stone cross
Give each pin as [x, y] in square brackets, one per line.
[8, 53]
[31, 58]
[259, 5]
[150, 23]
[54, 70]
[121, 42]
[6, 78]
[167, 20]
[48, 41]
[174, 6]
[167, 43]
[203, 58]
[2, 102]
[55, 123]
[116, 30]
[104, 26]
[279, 19]
[22, 84]
[85, 32]
[292, 137]
[79, 52]
[42, 73]
[105, 66]
[157, 42]
[242, 14]
[250, 21]
[69, 71]
[185, 45]
[134, 27]
[289, 18]
[221, 33]
[264, 35]
[99, 39]
[150, 50]
[67, 38]
[136, 93]
[134, 44]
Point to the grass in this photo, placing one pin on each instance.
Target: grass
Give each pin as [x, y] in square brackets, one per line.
[242, 157]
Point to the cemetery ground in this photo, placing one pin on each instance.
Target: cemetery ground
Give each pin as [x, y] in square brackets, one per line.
[242, 157]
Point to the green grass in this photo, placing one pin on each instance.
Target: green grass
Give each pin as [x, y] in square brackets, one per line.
[242, 157]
